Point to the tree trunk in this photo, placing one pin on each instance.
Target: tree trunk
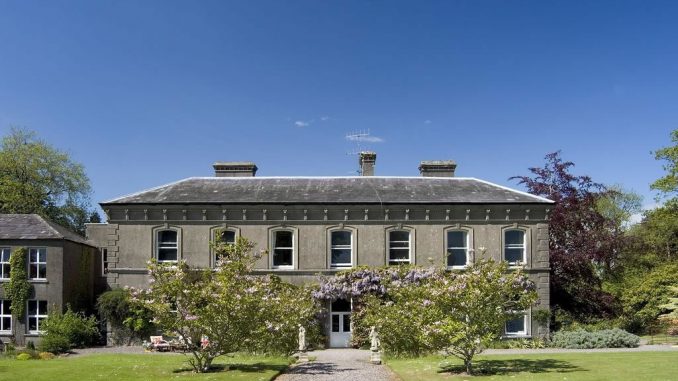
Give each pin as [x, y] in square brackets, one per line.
[469, 366]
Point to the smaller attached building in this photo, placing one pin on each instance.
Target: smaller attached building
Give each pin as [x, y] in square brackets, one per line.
[61, 269]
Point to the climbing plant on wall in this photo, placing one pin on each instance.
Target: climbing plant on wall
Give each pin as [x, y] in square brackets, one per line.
[18, 290]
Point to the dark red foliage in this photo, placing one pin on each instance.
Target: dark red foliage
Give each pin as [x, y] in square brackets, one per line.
[583, 243]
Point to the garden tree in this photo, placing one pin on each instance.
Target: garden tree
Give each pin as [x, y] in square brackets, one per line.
[419, 310]
[454, 313]
[643, 297]
[226, 309]
[668, 184]
[38, 178]
[583, 243]
[128, 321]
[652, 242]
[618, 205]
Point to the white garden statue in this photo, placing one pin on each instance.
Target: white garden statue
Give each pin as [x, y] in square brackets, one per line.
[303, 356]
[302, 339]
[375, 356]
[374, 339]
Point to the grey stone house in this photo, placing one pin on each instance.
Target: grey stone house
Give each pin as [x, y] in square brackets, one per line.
[61, 266]
[321, 225]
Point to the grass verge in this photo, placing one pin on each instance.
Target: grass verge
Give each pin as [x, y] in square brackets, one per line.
[544, 367]
[133, 367]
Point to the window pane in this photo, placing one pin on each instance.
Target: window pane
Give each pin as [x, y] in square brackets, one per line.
[399, 236]
[42, 255]
[335, 323]
[456, 239]
[514, 255]
[341, 305]
[5, 255]
[456, 257]
[341, 256]
[42, 307]
[33, 255]
[6, 323]
[341, 238]
[167, 236]
[42, 270]
[5, 307]
[32, 324]
[282, 257]
[167, 254]
[347, 323]
[283, 239]
[514, 237]
[228, 236]
[516, 325]
[33, 271]
[399, 253]
[32, 307]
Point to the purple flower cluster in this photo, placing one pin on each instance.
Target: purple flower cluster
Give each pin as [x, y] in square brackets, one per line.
[365, 281]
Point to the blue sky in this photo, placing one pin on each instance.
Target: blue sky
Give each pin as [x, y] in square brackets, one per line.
[144, 93]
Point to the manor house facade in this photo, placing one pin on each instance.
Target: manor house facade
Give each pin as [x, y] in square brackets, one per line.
[321, 225]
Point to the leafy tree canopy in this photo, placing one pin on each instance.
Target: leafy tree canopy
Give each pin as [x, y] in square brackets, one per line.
[583, 242]
[38, 178]
[668, 184]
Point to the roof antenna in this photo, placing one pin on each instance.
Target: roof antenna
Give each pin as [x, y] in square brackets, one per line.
[358, 137]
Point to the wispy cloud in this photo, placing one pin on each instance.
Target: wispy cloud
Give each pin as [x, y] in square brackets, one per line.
[364, 138]
[303, 123]
[427, 121]
[324, 118]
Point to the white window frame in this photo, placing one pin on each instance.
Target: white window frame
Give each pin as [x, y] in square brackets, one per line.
[272, 247]
[213, 237]
[526, 325]
[39, 316]
[4, 265]
[3, 316]
[37, 263]
[331, 247]
[411, 245]
[524, 246]
[156, 243]
[104, 260]
[469, 245]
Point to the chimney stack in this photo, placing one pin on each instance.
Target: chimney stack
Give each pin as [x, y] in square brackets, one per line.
[367, 160]
[437, 168]
[234, 169]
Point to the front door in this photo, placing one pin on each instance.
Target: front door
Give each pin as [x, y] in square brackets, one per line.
[340, 324]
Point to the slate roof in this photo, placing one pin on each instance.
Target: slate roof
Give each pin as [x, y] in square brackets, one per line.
[329, 190]
[33, 226]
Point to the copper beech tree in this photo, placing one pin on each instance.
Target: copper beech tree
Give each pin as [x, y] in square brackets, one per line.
[583, 243]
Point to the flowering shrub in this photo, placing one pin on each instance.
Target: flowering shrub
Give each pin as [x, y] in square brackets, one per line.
[64, 331]
[360, 283]
[607, 338]
[419, 310]
[225, 310]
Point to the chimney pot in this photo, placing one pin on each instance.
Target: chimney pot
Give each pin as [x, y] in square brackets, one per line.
[437, 168]
[367, 161]
[234, 169]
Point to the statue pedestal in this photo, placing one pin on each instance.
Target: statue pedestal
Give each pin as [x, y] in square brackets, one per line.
[303, 357]
[375, 358]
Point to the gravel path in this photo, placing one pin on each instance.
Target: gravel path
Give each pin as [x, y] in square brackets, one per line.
[338, 364]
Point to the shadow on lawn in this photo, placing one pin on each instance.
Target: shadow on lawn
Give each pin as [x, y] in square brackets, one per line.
[504, 367]
[248, 368]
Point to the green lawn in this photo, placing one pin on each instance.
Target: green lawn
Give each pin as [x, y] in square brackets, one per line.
[646, 366]
[124, 367]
